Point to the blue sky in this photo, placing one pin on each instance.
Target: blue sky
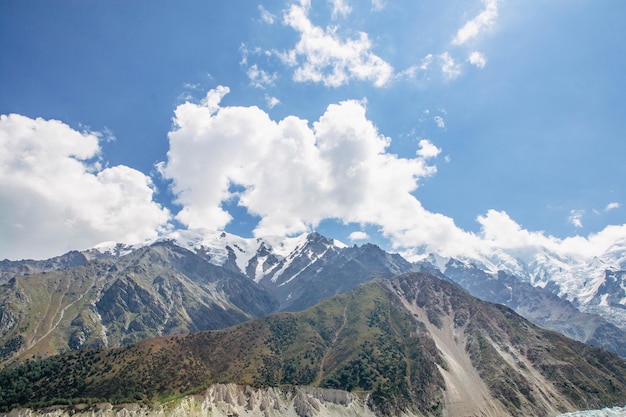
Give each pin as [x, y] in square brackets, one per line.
[446, 126]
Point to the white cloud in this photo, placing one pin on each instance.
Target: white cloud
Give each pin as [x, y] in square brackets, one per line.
[192, 86]
[414, 70]
[271, 101]
[426, 61]
[409, 72]
[501, 232]
[441, 124]
[340, 8]
[484, 21]
[576, 217]
[477, 59]
[322, 56]
[55, 196]
[427, 149]
[358, 236]
[378, 5]
[266, 16]
[451, 70]
[293, 175]
[498, 230]
[245, 52]
[612, 206]
[260, 78]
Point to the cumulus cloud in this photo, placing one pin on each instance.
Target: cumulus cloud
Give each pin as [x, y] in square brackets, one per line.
[427, 149]
[323, 56]
[293, 174]
[55, 196]
[500, 232]
[441, 124]
[289, 173]
[477, 59]
[482, 22]
[576, 217]
[354, 236]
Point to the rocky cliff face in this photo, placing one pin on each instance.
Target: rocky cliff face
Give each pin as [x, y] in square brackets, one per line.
[227, 400]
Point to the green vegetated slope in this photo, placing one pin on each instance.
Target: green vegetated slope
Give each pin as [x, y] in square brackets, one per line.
[405, 342]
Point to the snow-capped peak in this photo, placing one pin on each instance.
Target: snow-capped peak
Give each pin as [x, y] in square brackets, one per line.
[437, 261]
[110, 249]
[214, 245]
[278, 260]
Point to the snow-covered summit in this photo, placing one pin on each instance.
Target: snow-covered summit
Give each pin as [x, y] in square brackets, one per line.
[256, 257]
[595, 284]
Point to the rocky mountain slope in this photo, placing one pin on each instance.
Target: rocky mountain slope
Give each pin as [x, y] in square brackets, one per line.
[155, 290]
[413, 344]
[124, 294]
[10, 269]
[539, 305]
[283, 274]
[596, 284]
[298, 272]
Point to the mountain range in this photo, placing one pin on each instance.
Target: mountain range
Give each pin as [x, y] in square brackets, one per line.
[413, 345]
[192, 280]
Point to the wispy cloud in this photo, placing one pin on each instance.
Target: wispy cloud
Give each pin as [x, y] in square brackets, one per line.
[450, 69]
[271, 101]
[260, 78]
[266, 16]
[612, 206]
[340, 8]
[482, 22]
[576, 217]
[378, 5]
